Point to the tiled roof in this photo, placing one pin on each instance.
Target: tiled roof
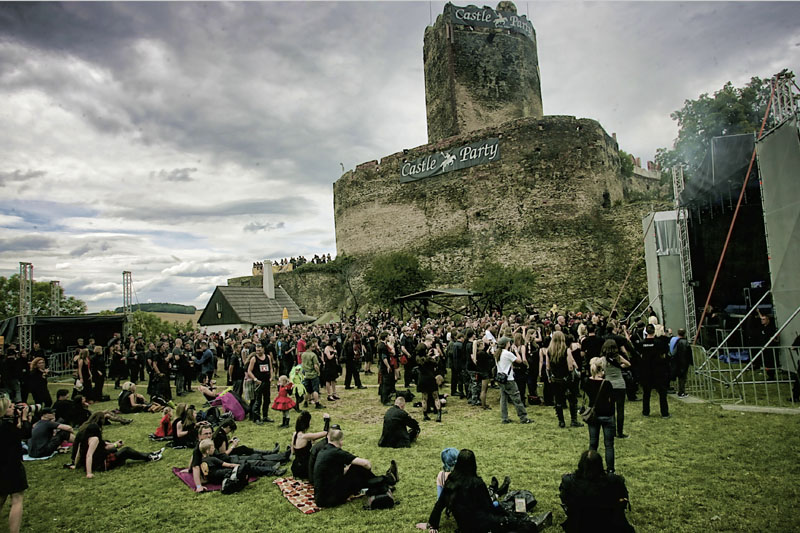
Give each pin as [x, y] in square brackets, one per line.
[252, 305]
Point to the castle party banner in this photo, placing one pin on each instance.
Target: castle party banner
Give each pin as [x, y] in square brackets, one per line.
[467, 156]
[487, 17]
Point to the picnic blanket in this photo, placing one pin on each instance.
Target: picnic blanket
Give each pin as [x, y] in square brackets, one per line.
[27, 457]
[186, 476]
[300, 493]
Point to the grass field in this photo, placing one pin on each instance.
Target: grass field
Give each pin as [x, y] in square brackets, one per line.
[704, 469]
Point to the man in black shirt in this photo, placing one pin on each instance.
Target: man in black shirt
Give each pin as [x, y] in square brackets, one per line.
[399, 428]
[339, 474]
[655, 370]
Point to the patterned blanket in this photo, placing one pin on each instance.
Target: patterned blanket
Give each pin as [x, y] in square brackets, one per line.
[299, 493]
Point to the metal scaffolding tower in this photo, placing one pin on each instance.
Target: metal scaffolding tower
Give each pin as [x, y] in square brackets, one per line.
[785, 106]
[55, 298]
[26, 305]
[127, 298]
[678, 184]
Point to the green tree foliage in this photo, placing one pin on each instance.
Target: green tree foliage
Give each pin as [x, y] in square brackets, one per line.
[505, 285]
[729, 111]
[395, 274]
[9, 299]
[625, 164]
[161, 308]
[152, 327]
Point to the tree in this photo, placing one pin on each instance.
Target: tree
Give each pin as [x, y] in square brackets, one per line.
[504, 285]
[9, 299]
[730, 111]
[152, 327]
[395, 274]
[625, 163]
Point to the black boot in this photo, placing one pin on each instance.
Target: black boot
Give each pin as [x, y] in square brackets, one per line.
[560, 414]
[493, 486]
[439, 416]
[503, 489]
[425, 416]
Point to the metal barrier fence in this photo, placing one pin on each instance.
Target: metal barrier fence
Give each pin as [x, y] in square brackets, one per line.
[745, 375]
[60, 364]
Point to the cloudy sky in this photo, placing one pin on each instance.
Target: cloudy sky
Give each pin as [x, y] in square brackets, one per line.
[184, 141]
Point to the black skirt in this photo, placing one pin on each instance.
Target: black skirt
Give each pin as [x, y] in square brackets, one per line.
[12, 478]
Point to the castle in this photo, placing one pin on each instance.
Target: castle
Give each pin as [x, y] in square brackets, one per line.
[498, 180]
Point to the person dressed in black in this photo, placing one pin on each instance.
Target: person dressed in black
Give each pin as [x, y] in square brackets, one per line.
[426, 359]
[13, 480]
[466, 495]
[592, 499]
[353, 352]
[302, 442]
[456, 357]
[339, 474]
[259, 371]
[399, 428]
[93, 453]
[601, 397]
[387, 363]
[655, 370]
[97, 363]
[37, 382]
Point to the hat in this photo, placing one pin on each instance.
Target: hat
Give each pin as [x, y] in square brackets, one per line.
[449, 456]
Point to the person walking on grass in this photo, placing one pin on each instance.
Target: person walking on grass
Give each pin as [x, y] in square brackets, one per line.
[508, 388]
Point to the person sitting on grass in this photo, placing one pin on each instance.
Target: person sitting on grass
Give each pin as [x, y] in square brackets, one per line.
[184, 427]
[131, 402]
[449, 457]
[267, 464]
[212, 468]
[593, 499]
[303, 441]
[93, 453]
[47, 435]
[164, 430]
[399, 428]
[466, 495]
[339, 474]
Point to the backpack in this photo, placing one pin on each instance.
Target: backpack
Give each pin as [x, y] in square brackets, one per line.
[384, 500]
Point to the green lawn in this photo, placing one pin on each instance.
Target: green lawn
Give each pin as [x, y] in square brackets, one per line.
[704, 469]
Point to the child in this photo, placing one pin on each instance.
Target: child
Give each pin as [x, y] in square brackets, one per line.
[164, 431]
[296, 377]
[283, 402]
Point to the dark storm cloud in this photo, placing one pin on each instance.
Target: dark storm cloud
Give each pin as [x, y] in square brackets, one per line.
[177, 174]
[19, 175]
[30, 243]
[192, 211]
[190, 76]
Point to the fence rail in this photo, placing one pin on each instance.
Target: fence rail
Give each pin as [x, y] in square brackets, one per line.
[746, 375]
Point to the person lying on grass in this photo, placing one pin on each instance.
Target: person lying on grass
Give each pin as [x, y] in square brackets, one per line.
[264, 464]
[95, 453]
[214, 467]
[231, 446]
[131, 402]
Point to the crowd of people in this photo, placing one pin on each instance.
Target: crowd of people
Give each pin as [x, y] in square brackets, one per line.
[534, 361]
[318, 259]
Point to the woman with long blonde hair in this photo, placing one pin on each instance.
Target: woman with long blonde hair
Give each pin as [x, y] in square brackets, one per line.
[560, 368]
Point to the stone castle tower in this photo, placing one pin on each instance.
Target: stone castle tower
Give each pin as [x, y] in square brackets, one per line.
[481, 69]
[498, 180]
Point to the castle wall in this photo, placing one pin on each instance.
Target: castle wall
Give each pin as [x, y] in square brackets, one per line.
[313, 290]
[553, 202]
[478, 76]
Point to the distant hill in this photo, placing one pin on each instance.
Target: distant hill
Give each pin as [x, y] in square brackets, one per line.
[162, 308]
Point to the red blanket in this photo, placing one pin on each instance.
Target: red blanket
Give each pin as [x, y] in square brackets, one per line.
[299, 493]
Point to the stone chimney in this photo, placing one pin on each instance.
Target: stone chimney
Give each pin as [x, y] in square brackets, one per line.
[268, 282]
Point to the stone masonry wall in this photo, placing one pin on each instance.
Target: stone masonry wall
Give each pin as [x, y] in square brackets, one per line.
[314, 291]
[553, 202]
[477, 77]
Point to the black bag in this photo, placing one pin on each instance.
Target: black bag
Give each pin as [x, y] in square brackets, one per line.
[235, 481]
[509, 502]
[587, 413]
[380, 501]
[406, 394]
[501, 377]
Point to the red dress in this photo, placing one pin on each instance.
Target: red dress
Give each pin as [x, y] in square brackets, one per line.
[283, 402]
